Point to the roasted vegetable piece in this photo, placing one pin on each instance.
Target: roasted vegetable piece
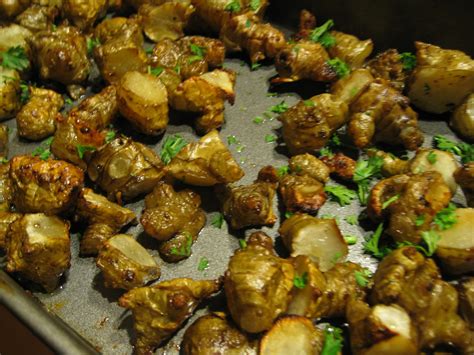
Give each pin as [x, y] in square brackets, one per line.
[407, 279]
[319, 239]
[304, 60]
[128, 29]
[442, 78]
[205, 94]
[126, 264]
[105, 219]
[383, 329]
[6, 218]
[125, 169]
[9, 92]
[350, 49]
[160, 310]
[382, 192]
[38, 17]
[308, 127]
[61, 55]
[307, 164]
[392, 165]
[5, 187]
[257, 284]
[37, 119]
[214, 49]
[205, 163]
[466, 300]
[4, 130]
[38, 248]
[214, 334]
[14, 35]
[143, 101]
[340, 165]
[10, 8]
[292, 335]
[166, 20]
[462, 120]
[382, 114]
[247, 32]
[83, 14]
[173, 215]
[349, 88]
[388, 65]
[464, 176]
[48, 186]
[250, 205]
[456, 246]
[301, 193]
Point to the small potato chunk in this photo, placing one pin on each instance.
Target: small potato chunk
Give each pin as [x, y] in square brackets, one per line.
[105, 219]
[206, 162]
[9, 93]
[37, 119]
[349, 88]
[38, 248]
[319, 239]
[143, 101]
[436, 160]
[83, 14]
[388, 65]
[126, 264]
[456, 246]
[14, 35]
[465, 178]
[126, 28]
[6, 218]
[301, 193]
[38, 17]
[442, 78]
[307, 164]
[350, 49]
[340, 165]
[47, 186]
[292, 335]
[462, 120]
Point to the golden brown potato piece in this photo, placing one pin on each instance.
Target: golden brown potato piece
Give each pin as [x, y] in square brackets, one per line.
[383, 191]
[257, 284]
[307, 164]
[349, 88]
[47, 186]
[4, 130]
[407, 279]
[10, 8]
[126, 28]
[247, 32]
[456, 246]
[38, 248]
[214, 49]
[126, 264]
[319, 239]
[160, 310]
[308, 125]
[104, 219]
[206, 162]
[83, 14]
[250, 205]
[125, 169]
[464, 176]
[6, 218]
[9, 92]
[215, 334]
[462, 120]
[38, 17]
[301, 193]
[14, 35]
[382, 114]
[292, 335]
[350, 49]
[166, 20]
[340, 165]
[37, 118]
[442, 78]
[5, 187]
[389, 66]
[466, 300]
[143, 101]
[383, 329]
[61, 55]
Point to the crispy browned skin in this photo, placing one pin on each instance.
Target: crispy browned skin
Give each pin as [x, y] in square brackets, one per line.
[307, 164]
[125, 169]
[104, 219]
[5, 187]
[6, 218]
[340, 165]
[257, 284]
[37, 118]
[382, 114]
[61, 55]
[3, 141]
[301, 193]
[38, 17]
[406, 278]
[260, 40]
[83, 14]
[388, 65]
[47, 186]
[465, 178]
[383, 191]
[125, 28]
[38, 248]
[250, 205]
[160, 310]
[175, 217]
[9, 92]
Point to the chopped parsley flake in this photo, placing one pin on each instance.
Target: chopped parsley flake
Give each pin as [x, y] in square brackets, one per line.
[300, 281]
[218, 220]
[14, 58]
[341, 194]
[171, 147]
[203, 264]
[340, 67]
[321, 34]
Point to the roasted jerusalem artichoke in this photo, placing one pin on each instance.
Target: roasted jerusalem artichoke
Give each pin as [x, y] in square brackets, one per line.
[159, 310]
[83, 14]
[6, 218]
[462, 119]
[9, 92]
[464, 176]
[38, 248]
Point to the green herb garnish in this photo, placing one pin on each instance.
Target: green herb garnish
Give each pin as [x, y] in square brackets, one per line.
[321, 34]
[171, 147]
[361, 277]
[44, 150]
[309, 103]
[81, 149]
[463, 150]
[431, 157]
[371, 245]
[390, 201]
[408, 61]
[254, 4]
[203, 264]
[258, 120]
[301, 281]
[341, 194]
[446, 218]
[14, 58]
[420, 220]
[283, 170]
[333, 341]
[350, 239]
[218, 220]
[25, 93]
[288, 214]
[352, 220]
[242, 243]
[270, 138]
[339, 67]
[280, 108]
[91, 44]
[184, 250]
[155, 71]
[255, 66]
[233, 6]
[110, 136]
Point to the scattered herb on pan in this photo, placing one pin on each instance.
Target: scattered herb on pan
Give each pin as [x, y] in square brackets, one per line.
[232, 140]
[371, 245]
[203, 264]
[288, 214]
[352, 220]
[362, 277]
[258, 120]
[340, 194]
[390, 201]
[198, 51]
[255, 66]
[280, 108]
[429, 238]
[91, 44]
[333, 341]
[272, 94]
[171, 147]
[339, 67]
[218, 220]
[300, 281]
[270, 138]
[44, 150]
[14, 58]
[68, 101]
[3, 160]
[82, 149]
[242, 243]
[408, 61]
[366, 170]
[350, 239]
[463, 150]
[321, 34]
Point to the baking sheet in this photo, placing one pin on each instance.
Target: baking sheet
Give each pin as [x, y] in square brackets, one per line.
[91, 310]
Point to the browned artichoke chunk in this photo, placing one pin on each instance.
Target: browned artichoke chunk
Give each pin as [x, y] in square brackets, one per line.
[307, 164]
[38, 17]
[350, 49]
[462, 119]
[126, 28]
[301, 193]
[5, 187]
[340, 165]
[125, 169]
[9, 9]
[214, 49]
[250, 205]
[161, 309]
[83, 14]
[126, 264]
[38, 249]
[466, 300]
[9, 92]
[207, 162]
[37, 118]
[48, 186]
[6, 218]
[4, 130]
[381, 193]
[257, 284]
[392, 165]
[388, 65]
[464, 176]
[215, 334]
[61, 55]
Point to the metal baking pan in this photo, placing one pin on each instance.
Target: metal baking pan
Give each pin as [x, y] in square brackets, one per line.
[82, 317]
